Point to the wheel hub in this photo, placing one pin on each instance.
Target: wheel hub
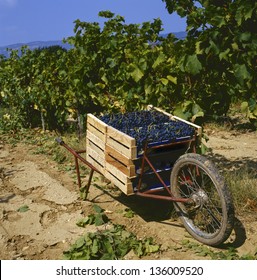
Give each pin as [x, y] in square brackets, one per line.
[199, 198]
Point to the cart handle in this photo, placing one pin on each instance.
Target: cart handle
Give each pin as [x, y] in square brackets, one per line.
[59, 140]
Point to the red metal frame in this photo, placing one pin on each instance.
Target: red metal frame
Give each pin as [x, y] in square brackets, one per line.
[146, 193]
[77, 157]
[151, 193]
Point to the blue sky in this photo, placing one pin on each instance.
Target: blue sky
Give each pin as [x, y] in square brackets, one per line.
[24, 21]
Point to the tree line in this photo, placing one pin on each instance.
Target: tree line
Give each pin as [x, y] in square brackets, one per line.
[123, 67]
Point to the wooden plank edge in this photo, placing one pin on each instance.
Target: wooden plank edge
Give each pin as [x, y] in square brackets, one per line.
[96, 148]
[126, 188]
[96, 140]
[121, 137]
[116, 154]
[96, 164]
[99, 158]
[173, 117]
[97, 123]
[128, 170]
[123, 150]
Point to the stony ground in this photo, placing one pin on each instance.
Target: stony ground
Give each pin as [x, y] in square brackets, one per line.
[35, 183]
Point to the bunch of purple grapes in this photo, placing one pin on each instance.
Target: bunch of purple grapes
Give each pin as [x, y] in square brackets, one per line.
[150, 126]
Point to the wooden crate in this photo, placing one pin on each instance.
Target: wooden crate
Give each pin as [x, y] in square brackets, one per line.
[122, 181]
[163, 161]
[120, 153]
[114, 153]
[111, 152]
[120, 161]
[95, 142]
[197, 127]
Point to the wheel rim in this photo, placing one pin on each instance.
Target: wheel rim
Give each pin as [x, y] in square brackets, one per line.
[205, 215]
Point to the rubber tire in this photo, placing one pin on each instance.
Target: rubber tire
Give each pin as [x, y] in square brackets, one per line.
[227, 223]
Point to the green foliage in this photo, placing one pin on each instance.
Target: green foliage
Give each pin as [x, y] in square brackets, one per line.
[10, 122]
[109, 244]
[118, 63]
[219, 53]
[228, 254]
[23, 208]
[98, 219]
[123, 67]
[30, 85]
[128, 213]
[249, 108]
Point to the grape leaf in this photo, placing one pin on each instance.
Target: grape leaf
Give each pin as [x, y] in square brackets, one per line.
[23, 209]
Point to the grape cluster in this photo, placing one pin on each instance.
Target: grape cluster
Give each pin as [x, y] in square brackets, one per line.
[152, 126]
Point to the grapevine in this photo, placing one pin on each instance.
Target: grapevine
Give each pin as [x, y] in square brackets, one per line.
[123, 67]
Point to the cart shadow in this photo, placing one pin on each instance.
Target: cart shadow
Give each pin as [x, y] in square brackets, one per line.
[227, 165]
[163, 212]
[239, 238]
[150, 210]
[231, 167]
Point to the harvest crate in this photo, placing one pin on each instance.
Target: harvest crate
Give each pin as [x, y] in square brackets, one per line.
[116, 154]
[96, 142]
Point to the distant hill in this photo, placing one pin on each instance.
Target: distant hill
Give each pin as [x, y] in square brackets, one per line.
[33, 46]
[42, 44]
[179, 35]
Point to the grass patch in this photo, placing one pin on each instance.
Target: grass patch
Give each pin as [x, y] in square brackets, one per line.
[243, 185]
[214, 254]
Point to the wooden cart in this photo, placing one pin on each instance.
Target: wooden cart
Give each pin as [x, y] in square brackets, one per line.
[169, 171]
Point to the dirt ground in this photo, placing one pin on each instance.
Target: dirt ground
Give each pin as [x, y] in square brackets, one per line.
[54, 206]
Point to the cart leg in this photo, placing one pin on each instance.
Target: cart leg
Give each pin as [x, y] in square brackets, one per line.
[89, 182]
[85, 190]
[78, 172]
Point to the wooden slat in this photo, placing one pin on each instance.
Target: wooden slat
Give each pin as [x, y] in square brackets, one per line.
[128, 170]
[98, 124]
[119, 161]
[121, 137]
[95, 148]
[96, 132]
[97, 141]
[96, 164]
[96, 156]
[120, 157]
[122, 177]
[126, 188]
[96, 127]
[123, 150]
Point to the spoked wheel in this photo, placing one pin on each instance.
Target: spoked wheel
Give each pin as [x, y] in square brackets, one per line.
[209, 216]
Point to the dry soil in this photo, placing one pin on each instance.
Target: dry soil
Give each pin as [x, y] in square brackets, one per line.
[54, 205]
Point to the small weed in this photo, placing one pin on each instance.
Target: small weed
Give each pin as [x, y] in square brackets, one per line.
[97, 219]
[205, 251]
[109, 244]
[23, 208]
[128, 213]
